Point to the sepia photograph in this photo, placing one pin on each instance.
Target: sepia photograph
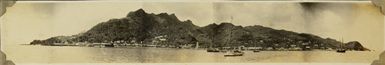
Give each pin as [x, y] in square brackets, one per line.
[192, 32]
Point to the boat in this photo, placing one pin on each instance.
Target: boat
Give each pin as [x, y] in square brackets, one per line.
[109, 45]
[341, 50]
[213, 50]
[234, 53]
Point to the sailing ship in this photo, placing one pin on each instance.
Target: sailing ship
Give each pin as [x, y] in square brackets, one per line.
[256, 49]
[341, 49]
[235, 51]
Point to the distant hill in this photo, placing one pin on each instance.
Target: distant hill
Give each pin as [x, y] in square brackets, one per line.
[166, 29]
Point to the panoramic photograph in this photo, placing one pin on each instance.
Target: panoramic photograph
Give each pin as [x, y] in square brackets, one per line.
[192, 32]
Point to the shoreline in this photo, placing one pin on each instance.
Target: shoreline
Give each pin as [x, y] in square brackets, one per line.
[142, 46]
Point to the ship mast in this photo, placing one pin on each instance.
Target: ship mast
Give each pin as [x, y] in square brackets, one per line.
[342, 42]
[231, 32]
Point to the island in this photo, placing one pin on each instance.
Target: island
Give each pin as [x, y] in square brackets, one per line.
[142, 29]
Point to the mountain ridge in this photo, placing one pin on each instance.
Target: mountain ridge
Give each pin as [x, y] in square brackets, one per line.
[166, 29]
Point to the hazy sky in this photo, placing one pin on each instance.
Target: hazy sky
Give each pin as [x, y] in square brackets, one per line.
[25, 22]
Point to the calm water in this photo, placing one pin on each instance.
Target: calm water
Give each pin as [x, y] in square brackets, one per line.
[56, 54]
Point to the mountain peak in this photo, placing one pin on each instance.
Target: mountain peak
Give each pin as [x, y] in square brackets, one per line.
[226, 24]
[139, 12]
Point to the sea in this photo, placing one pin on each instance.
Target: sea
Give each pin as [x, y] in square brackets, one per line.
[74, 54]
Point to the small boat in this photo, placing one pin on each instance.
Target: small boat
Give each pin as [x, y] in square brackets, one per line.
[109, 45]
[212, 50]
[234, 53]
[341, 50]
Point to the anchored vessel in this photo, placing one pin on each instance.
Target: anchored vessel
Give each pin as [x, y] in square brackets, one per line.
[341, 49]
[234, 53]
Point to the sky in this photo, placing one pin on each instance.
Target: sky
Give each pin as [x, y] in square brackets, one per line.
[27, 21]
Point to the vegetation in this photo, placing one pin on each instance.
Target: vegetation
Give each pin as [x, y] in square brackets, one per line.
[139, 27]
